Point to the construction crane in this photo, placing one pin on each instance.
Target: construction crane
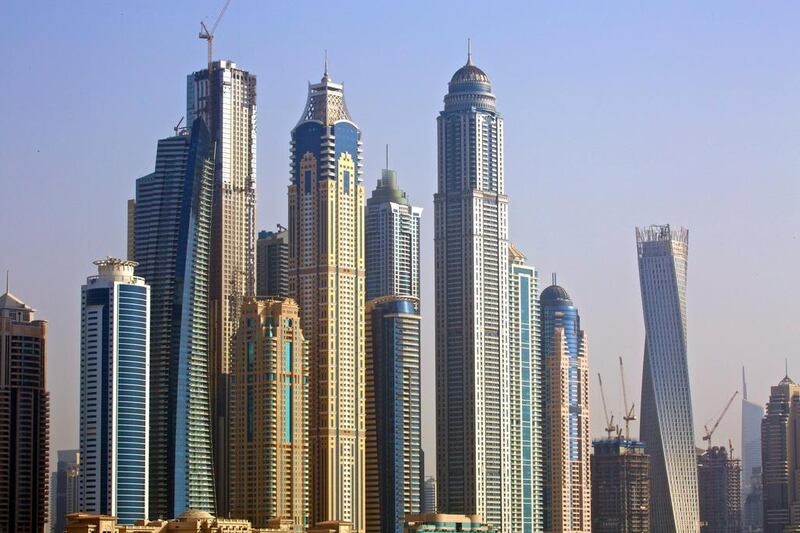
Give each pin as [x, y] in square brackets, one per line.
[710, 432]
[628, 415]
[610, 427]
[208, 35]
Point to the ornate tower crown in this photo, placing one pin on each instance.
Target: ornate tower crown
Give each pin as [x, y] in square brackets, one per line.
[325, 102]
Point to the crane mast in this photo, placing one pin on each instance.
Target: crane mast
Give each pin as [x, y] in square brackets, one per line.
[610, 427]
[628, 415]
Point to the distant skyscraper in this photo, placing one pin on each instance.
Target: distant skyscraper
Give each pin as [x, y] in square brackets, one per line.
[620, 487]
[172, 228]
[780, 458]
[526, 393]
[24, 418]
[392, 241]
[720, 491]
[667, 428]
[394, 437]
[115, 323]
[63, 494]
[565, 409]
[228, 107]
[752, 413]
[473, 375]
[272, 263]
[131, 231]
[429, 498]
[269, 415]
[326, 278]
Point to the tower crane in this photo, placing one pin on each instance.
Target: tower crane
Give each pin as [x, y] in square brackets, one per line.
[710, 432]
[208, 35]
[628, 415]
[610, 427]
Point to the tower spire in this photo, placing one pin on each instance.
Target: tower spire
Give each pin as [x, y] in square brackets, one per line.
[744, 386]
[469, 51]
[6, 281]
[387, 156]
[325, 73]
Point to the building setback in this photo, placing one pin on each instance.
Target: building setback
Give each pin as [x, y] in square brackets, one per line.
[473, 374]
[326, 278]
[272, 263]
[394, 438]
[228, 107]
[64, 489]
[526, 392]
[780, 449]
[566, 477]
[667, 427]
[269, 415]
[620, 487]
[24, 418]
[114, 396]
[720, 490]
[172, 234]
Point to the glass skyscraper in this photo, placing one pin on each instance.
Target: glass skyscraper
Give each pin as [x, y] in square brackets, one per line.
[667, 427]
[326, 279]
[114, 395]
[473, 374]
[227, 104]
[752, 413]
[172, 246]
[565, 409]
[526, 392]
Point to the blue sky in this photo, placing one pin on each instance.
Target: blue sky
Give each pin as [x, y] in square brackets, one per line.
[617, 114]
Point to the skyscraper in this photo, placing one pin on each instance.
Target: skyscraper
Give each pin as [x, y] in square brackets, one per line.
[272, 263]
[63, 494]
[114, 395]
[326, 278]
[719, 488]
[752, 413]
[228, 106]
[667, 428]
[429, 496]
[24, 418]
[392, 240]
[172, 231]
[566, 444]
[780, 449]
[620, 487]
[526, 393]
[269, 415]
[394, 437]
[473, 381]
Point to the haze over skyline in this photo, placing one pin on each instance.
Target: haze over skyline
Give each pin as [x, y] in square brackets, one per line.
[615, 116]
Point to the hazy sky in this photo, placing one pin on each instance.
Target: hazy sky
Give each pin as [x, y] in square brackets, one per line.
[617, 114]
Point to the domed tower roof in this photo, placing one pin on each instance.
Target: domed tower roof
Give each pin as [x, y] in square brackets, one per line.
[469, 87]
[555, 295]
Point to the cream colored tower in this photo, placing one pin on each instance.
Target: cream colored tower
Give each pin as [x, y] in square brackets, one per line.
[327, 279]
[570, 473]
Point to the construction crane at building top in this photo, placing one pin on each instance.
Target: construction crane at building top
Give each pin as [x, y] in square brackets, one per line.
[610, 427]
[710, 432]
[208, 35]
[627, 415]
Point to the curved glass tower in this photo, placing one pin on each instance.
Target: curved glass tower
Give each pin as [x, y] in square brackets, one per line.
[326, 278]
[473, 372]
[667, 427]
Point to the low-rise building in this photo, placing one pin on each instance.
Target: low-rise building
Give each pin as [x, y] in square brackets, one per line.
[444, 523]
[188, 522]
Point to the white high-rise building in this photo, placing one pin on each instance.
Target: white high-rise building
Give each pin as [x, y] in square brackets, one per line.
[475, 452]
[667, 428]
[228, 107]
[114, 396]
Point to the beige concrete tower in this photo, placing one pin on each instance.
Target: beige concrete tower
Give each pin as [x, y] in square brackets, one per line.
[269, 415]
[326, 278]
[570, 473]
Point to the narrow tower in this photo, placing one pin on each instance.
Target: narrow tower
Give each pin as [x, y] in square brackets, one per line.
[752, 413]
[473, 380]
[326, 278]
[667, 428]
[227, 104]
[115, 369]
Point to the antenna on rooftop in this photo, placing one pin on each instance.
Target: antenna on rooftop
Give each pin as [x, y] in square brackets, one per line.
[554, 278]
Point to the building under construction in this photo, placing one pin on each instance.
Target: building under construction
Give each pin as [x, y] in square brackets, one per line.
[720, 491]
[620, 486]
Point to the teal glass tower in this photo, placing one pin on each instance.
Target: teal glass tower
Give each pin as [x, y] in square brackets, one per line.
[172, 235]
[115, 365]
